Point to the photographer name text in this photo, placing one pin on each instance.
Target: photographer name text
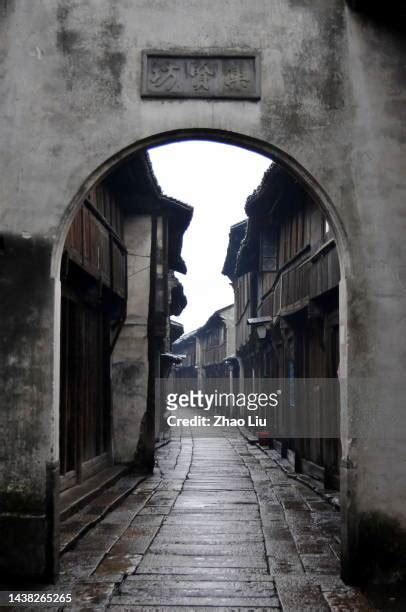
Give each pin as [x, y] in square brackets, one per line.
[216, 421]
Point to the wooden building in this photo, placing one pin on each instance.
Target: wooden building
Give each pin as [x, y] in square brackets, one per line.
[284, 267]
[118, 294]
[216, 343]
[94, 299]
[208, 352]
[186, 348]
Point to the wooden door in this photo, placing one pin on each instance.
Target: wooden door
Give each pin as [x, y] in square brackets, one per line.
[85, 392]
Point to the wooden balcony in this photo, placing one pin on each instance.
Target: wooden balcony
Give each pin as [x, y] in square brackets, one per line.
[305, 280]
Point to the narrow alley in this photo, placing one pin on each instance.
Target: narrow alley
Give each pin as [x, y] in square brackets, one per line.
[219, 524]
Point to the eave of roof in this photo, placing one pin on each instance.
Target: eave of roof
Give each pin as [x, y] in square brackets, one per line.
[276, 189]
[139, 191]
[185, 337]
[221, 315]
[236, 235]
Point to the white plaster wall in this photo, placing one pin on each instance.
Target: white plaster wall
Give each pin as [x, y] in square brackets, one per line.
[130, 358]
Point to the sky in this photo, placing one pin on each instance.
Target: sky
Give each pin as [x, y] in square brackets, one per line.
[216, 180]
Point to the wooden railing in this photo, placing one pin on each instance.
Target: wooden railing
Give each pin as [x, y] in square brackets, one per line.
[306, 280]
[325, 270]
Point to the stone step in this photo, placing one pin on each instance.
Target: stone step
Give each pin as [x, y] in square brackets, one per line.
[75, 526]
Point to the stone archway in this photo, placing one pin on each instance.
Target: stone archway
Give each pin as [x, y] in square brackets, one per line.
[324, 201]
[252, 144]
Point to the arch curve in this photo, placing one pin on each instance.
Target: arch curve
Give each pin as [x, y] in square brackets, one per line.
[249, 143]
[292, 166]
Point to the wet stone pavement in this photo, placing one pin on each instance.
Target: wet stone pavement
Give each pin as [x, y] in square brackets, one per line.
[218, 526]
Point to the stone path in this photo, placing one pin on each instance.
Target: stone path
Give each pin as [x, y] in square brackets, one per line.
[219, 525]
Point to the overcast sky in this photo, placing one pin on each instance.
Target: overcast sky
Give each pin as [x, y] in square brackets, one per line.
[215, 179]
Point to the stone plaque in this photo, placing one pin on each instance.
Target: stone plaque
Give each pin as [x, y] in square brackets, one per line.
[193, 75]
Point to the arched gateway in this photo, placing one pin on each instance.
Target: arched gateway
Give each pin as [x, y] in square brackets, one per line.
[77, 107]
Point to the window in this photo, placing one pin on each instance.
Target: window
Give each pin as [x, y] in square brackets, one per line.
[269, 250]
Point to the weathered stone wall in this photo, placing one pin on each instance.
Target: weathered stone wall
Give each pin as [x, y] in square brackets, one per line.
[29, 443]
[331, 108]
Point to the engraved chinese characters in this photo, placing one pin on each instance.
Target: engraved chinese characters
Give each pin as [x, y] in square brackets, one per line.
[236, 77]
[163, 75]
[197, 76]
[201, 73]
